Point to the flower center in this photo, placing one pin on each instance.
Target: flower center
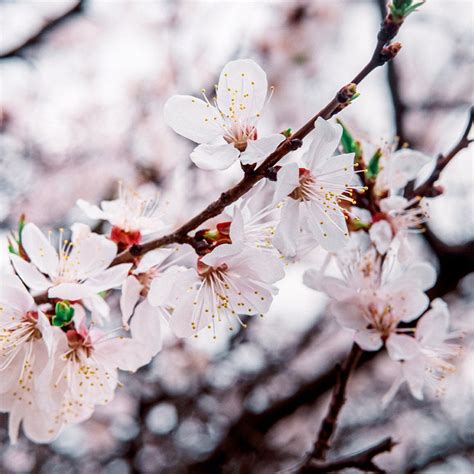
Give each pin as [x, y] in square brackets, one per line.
[239, 134]
[304, 191]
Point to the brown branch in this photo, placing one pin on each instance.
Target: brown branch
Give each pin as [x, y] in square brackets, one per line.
[362, 460]
[328, 425]
[51, 24]
[427, 189]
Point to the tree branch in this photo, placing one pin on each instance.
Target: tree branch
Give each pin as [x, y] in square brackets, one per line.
[362, 460]
[51, 24]
[328, 425]
[427, 189]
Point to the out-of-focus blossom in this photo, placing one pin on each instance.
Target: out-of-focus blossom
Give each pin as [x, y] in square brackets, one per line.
[227, 129]
[314, 192]
[132, 215]
[432, 361]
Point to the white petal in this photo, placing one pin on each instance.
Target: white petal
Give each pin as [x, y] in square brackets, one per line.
[15, 297]
[287, 181]
[237, 229]
[152, 259]
[326, 137]
[402, 347]
[215, 157]
[423, 273]
[193, 118]
[100, 310]
[409, 303]
[222, 253]
[122, 352]
[131, 290]
[405, 166]
[381, 235]
[368, 340]
[333, 287]
[90, 210]
[393, 203]
[146, 328]
[348, 314]
[39, 249]
[288, 229]
[244, 82]
[113, 277]
[31, 276]
[413, 372]
[14, 420]
[71, 291]
[162, 287]
[432, 328]
[258, 150]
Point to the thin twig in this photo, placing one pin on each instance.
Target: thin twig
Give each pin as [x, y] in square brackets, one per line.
[362, 460]
[338, 398]
[17, 51]
[428, 189]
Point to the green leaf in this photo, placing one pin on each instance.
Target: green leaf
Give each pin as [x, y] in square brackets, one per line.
[64, 313]
[373, 167]
[287, 133]
[349, 143]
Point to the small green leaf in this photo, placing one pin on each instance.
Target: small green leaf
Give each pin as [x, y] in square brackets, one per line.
[64, 313]
[287, 133]
[373, 167]
[349, 143]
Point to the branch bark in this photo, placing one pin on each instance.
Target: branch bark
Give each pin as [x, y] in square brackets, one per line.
[328, 425]
[17, 51]
[362, 460]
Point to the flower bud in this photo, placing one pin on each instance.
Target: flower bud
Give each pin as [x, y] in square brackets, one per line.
[64, 313]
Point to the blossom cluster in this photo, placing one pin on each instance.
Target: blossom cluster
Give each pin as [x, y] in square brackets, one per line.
[59, 357]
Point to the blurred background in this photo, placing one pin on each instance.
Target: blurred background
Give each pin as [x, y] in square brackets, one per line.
[82, 87]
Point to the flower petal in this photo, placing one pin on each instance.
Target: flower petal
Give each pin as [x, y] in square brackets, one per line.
[402, 347]
[131, 290]
[287, 181]
[326, 137]
[90, 210]
[258, 150]
[113, 277]
[193, 118]
[146, 328]
[368, 340]
[215, 157]
[242, 89]
[381, 235]
[40, 251]
[288, 229]
[30, 275]
[348, 314]
[152, 259]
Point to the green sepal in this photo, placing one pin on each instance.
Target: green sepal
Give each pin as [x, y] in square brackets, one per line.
[64, 313]
[349, 143]
[373, 168]
[287, 133]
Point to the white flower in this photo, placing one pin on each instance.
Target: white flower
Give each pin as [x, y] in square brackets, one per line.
[132, 215]
[314, 192]
[398, 168]
[227, 128]
[433, 360]
[85, 372]
[152, 281]
[26, 344]
[374, 296]
[227, 282]
[78, 270]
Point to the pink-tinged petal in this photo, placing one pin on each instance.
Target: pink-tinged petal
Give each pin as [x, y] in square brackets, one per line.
[41, 427]
[409, 303]
[405, 166]
[193, 118]
[131, 290]
[338, 170]
[90, 210]
[15, 297]
[258, 150]
[113, 277]
[433, 326]
[414, 373]
[215, 157]
[402, 347]
[71, 291]
[79, 314]
[46, 332]
[326, 137]
[152, 259]
[123, 353]
[251, 298]
[393, 390]
[287, 181]
[98, 307]
[237, 228]
[9, 379]
[146, 328]
[242, 89]
[90, 255]
[348, 314]
[333, 287]
[14, 419]
[381, 235]
[30, 275]
[422, 273]
[393, 203]
[42, 254]
[368, 340]
[288, 229]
